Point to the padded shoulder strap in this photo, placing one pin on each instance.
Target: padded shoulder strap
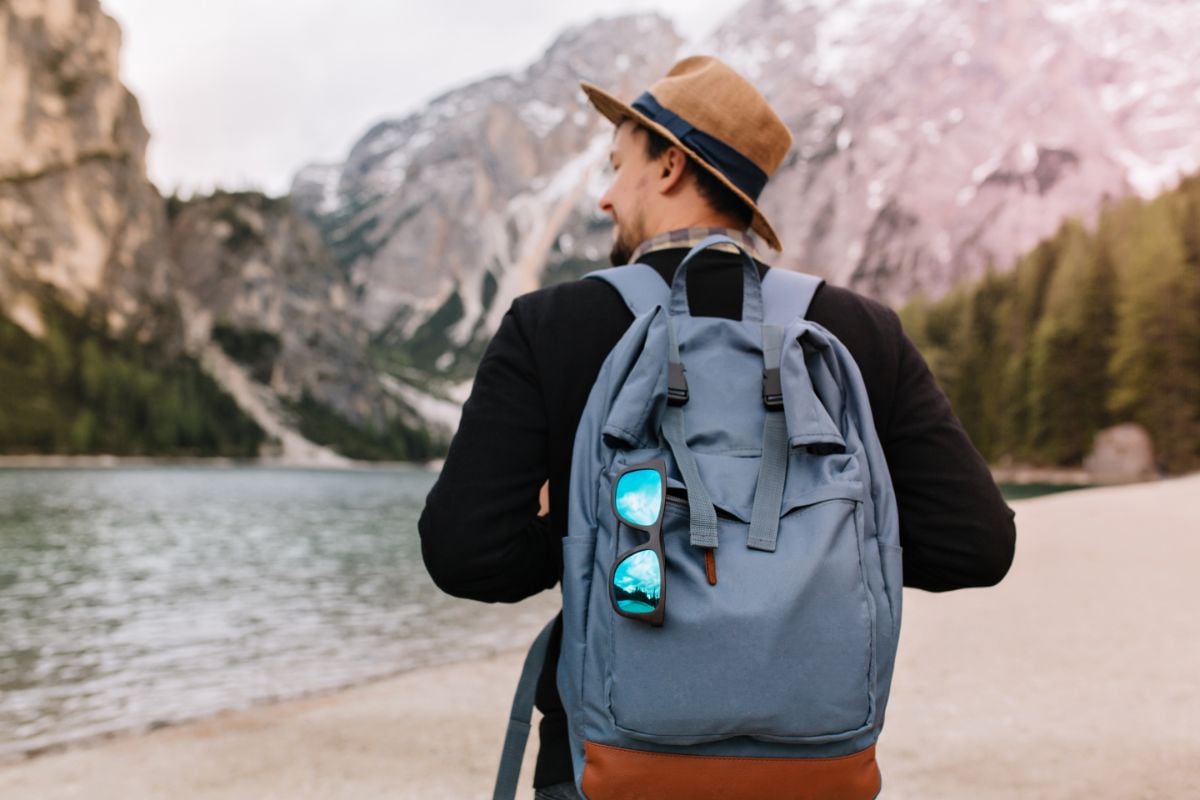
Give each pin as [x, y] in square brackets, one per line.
[641, 287]
[787, 295]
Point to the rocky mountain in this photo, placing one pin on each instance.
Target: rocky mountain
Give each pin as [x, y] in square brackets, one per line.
[270, 312]
[239, 282]
[442, 217]
[933, 138]
[251, 269]
[77, 212]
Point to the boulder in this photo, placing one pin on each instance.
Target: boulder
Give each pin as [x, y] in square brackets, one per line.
[1121, 454]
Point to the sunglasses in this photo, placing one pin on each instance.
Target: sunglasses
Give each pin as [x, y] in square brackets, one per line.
[637, 580]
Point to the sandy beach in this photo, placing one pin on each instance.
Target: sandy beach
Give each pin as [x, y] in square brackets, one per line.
[1077, 677]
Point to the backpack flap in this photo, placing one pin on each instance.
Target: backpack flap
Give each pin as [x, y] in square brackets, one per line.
[810, 416]
[633, 417]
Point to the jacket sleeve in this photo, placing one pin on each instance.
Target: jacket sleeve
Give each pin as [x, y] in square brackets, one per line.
[955, 527]
[481, 537]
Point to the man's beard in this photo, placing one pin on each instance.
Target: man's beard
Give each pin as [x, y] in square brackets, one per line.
[622, 249]
[620, 254]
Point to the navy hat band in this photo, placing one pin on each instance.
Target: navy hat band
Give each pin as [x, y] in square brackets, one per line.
[741, 171]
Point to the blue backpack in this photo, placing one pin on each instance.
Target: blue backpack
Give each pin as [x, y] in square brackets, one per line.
[731, 571]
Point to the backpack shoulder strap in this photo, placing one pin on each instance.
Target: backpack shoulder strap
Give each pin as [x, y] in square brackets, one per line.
[787, 295]
[517, 735]
[641, 287]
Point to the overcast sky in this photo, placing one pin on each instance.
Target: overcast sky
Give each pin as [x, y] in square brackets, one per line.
[241, 93]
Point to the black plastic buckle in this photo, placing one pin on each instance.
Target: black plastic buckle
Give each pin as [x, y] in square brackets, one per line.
[772, 389]
[677, 389]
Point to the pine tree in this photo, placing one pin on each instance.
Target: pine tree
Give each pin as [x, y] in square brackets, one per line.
[1029, 286]
[981, 365]
[1088, 330]
[1070, 351]
[1154, 366]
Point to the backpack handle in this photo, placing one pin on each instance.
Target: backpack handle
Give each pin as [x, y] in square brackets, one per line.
[752, 295]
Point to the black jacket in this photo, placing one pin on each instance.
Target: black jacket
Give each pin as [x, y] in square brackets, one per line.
[480, 534]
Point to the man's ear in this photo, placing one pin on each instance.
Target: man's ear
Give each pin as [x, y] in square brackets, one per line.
[672, 168]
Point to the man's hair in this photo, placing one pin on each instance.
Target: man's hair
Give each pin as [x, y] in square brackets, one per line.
[716, 194]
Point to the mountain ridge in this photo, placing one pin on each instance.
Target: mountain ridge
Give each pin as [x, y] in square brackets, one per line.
[890, 190]
[933, 141]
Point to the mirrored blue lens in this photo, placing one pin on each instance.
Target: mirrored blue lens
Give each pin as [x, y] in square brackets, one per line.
[637, 583]
[639, 496]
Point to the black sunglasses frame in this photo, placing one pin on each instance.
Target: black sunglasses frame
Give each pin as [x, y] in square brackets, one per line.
[656, 616]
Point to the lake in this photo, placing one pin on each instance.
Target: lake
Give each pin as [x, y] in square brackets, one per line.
[135, 597]
[1024, 491]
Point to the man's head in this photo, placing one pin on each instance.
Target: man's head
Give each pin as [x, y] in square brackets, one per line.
[696, 149]
[656, 187]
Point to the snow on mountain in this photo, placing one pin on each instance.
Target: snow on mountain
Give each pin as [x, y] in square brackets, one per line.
[932, 138]
[441, 217]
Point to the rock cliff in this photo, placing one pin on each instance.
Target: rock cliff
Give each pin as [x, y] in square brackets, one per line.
[77, 212]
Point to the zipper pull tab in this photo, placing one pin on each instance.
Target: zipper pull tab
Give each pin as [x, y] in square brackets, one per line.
[710, 565]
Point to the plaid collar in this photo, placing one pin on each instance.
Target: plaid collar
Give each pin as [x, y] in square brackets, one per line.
[689, 238]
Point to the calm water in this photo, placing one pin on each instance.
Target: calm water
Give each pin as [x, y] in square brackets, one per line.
[130, 597]
[137, 596]
[1024, 491]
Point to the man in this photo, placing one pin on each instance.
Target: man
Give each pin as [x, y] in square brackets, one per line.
[689, 158]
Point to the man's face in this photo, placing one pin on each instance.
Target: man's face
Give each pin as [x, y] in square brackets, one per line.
[626, 196]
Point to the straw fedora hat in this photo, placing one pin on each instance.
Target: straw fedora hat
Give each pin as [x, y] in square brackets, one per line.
[719, 119]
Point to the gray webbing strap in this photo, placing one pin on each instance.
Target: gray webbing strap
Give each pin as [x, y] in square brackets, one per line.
[522, 712]
[703, 523]
[772, 468]
[703, 515]
[641, 287]
[786, 297]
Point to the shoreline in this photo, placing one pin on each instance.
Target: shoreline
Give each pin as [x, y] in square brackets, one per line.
[1094, 601]
[346, 735]
[103, 738]
[1053, 476]
[37, 461]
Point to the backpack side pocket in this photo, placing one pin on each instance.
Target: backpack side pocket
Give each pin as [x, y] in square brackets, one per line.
[579, 555]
